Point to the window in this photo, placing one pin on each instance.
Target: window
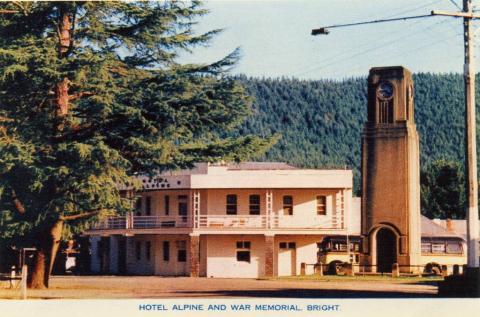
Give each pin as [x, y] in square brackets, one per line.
[182, 205]
[166, 251]
[453, 247]
[148, 250]
[138, 206]
[182, 256]
[426, 248]
[243, 244]
[167, 205]
[254, 204]
[339, 246]
[148, 205]
[288, 205]
[355, 247]
[321, 205]
[181, 251]
[231, 204]
[287, 245]
[138, 250]
[438, 248]
[243, 251]
[243, 256]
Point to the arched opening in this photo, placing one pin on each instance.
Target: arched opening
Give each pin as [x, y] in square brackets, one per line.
[386, 249]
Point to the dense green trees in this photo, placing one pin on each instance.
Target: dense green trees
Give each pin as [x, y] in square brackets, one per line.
[320, 122]
[443, 190]
[90, 93]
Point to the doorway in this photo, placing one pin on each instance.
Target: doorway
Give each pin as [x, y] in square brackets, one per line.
[386, 250]
[287, 259]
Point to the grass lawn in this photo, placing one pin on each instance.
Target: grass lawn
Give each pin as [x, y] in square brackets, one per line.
[360, 278]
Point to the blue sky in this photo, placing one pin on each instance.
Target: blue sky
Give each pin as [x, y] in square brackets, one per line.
[275, 40]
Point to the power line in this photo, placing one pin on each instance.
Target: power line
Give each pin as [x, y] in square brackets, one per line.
[367, 44]
[368, 50]
[456, 5]
[403, 53]
[414, 9]
[324, 30]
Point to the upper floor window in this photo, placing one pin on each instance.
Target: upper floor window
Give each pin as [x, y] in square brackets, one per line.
[254, 204]
[182, 205]
[288, 205]
[138, 206]
[231, 204]
[321, 205]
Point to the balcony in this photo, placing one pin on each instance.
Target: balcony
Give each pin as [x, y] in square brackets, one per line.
[143, 222]
[223, 222]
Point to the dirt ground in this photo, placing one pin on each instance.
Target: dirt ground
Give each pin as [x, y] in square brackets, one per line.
[116, 287]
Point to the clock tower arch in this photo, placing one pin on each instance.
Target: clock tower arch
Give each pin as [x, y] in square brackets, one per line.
[390, 173]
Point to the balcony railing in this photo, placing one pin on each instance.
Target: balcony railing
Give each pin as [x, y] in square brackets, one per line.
[143, 222]
[223, 222]
[233, 221]
[268, 222]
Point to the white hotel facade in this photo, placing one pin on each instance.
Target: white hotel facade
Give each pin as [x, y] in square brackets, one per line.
[242, 220]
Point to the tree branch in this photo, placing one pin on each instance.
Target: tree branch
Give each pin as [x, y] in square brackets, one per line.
[17, 203]
[81, 215]
[72, 31]
[80, 95]
[19, 5]
[8, 11]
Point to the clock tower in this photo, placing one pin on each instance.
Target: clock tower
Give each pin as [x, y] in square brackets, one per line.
[390, 173]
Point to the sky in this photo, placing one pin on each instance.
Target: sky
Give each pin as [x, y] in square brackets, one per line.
[275, 41]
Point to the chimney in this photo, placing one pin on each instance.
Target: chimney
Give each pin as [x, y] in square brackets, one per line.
[449, 224]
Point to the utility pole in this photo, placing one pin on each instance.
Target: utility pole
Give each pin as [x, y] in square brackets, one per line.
[470, 140]
[470, 126]
[470, 132]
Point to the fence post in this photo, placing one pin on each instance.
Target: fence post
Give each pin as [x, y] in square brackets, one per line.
[456, 269]
[12, 276]
[320, 269]
[444, 270]
[303, 266]
[395, 270]
[348, 269]
[24, 282]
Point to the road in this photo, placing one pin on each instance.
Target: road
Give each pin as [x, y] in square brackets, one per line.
[114, 287]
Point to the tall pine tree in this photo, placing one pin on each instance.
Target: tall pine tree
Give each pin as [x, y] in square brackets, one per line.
[91, 93]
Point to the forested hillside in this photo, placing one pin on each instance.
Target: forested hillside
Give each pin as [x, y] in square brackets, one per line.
[320, 122]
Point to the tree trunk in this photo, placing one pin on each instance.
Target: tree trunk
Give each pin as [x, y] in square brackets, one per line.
[49, 240]
[45, 256]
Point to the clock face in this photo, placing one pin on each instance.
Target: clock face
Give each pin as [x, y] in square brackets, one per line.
[385, 90]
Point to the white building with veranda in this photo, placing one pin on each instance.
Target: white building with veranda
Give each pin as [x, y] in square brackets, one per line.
[228, 220]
